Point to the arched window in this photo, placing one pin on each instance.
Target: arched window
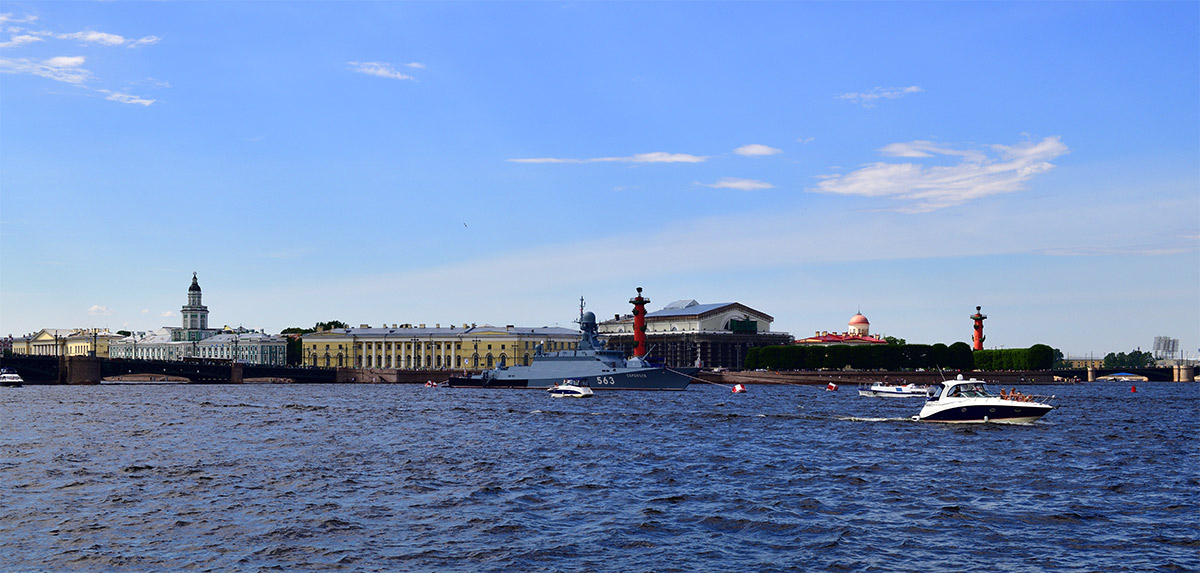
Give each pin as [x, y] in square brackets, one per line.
[526, 360]
[489, 360]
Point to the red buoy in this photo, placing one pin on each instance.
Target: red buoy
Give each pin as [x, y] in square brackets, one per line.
[738, 389]
[1133, 389]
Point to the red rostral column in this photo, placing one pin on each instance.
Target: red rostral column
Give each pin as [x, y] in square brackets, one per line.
[978, 318]
[639, 303]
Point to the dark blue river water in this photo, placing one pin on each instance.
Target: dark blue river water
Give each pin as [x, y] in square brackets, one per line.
[383, 478]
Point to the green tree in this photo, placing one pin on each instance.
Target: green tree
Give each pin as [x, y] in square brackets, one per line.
[1135, 359]
[1039, 357]
[961, 356]
[295, 344]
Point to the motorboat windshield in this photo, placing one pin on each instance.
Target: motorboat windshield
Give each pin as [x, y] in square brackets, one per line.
[968, 390]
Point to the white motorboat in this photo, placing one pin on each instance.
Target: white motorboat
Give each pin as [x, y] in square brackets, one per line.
[885, 390]
[9, 377]
[967, 401]
[571, 389]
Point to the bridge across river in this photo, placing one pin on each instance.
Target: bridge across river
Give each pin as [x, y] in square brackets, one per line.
[1160, 374]
[92, 370]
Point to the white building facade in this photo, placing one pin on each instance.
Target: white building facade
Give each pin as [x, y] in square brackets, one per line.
[195, 340]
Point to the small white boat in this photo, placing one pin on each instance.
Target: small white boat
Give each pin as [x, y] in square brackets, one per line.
[10, 378]
[968, 401]
[570, 389]
[885, 390]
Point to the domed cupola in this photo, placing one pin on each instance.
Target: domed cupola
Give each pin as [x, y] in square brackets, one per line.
[195, 284]
[859, 325]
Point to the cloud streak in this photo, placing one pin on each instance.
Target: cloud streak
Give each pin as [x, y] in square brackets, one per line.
[979, 173]
[99, 310]
[653, 157]
[106, 39]
[384, 69]
[867, 98]
[757, 150]
[126, 98]
[739, 184]
[67, 69]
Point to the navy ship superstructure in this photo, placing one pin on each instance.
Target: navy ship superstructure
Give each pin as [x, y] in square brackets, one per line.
[602, 369]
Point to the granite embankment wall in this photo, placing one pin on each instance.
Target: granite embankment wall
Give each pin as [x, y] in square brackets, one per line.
[845, 377]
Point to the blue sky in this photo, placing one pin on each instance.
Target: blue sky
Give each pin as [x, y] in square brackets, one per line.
[393, 162]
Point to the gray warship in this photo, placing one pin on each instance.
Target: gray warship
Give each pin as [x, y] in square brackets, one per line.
[602, 369]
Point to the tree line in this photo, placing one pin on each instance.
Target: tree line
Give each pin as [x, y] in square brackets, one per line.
[1135, 359]
[957, 356]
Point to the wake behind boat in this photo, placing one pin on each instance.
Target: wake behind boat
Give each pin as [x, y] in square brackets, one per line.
[966, 401]
[589, 361]
[885, 390]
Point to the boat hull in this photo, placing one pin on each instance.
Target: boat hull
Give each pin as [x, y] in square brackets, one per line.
[641, 379]
[997, 410]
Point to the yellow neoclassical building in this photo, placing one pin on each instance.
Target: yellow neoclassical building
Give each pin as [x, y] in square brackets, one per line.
[437, 348]
[65, 342]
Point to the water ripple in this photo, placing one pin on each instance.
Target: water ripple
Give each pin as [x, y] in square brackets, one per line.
[382, 478]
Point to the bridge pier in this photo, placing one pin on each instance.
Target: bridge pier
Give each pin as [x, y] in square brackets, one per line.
[1184, 373]
[1091, 375]
[235, 373]
[79, 370]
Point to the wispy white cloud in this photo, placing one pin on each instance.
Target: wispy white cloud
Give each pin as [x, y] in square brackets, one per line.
[8, 18]
[922, 149]
[106, 39]
[69, 69]
[653, 157]
[927, 188]
[61, 69]
[384, 69]
[867, 98]
[739, 184]
[166, 314]
[126, 98]
[757, 149]
[99, 310]
[805, 140]
[20, 41]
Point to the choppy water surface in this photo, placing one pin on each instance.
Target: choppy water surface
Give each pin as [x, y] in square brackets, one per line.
[409, 478]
